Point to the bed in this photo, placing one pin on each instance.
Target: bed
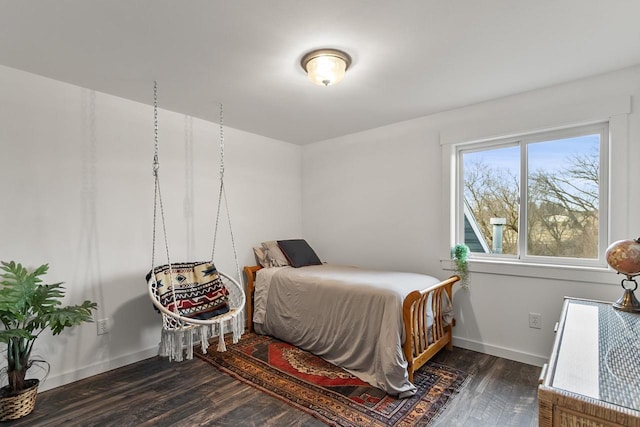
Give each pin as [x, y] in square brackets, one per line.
[380, 326]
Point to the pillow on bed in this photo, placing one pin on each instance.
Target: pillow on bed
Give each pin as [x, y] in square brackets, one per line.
[299, 253]
[261, 256]
[274, 255]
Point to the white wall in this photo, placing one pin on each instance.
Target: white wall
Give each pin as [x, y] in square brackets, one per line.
[75, 169]
[77, 193]
[380, 198]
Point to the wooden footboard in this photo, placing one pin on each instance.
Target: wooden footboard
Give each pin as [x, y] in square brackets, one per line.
[417, 348]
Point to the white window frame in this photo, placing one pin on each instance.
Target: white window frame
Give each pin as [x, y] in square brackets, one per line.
[568, 110]
[522, 141]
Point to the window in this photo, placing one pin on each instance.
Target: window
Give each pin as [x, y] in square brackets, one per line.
[536, 198]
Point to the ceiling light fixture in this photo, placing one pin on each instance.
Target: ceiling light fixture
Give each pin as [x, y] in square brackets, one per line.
[326, 66]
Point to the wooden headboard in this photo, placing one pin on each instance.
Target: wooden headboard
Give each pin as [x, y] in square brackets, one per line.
[250, 272]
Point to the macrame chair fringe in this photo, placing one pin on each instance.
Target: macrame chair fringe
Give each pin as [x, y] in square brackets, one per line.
[177, 344]
[204, 338]
[179, 336]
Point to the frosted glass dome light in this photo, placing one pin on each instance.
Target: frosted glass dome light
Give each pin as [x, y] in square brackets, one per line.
[326, 66]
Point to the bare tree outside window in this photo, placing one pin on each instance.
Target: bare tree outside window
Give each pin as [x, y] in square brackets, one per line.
[493, 192]
[562, 209]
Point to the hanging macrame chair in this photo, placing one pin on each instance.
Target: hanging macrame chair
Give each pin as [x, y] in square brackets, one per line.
[195, 299]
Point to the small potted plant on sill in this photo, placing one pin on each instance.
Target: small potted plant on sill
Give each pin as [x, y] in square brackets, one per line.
[27, 308]
[460, 254]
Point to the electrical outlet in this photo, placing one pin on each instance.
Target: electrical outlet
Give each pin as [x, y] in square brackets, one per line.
[535, 320]
[103, 326]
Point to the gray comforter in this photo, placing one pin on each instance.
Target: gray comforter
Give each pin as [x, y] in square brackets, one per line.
[349, 316]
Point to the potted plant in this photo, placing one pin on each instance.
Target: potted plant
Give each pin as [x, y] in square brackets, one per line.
[460, 253]
[27, 308]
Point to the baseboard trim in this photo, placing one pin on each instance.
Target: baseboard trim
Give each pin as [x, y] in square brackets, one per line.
[98, 368]
[506, 353]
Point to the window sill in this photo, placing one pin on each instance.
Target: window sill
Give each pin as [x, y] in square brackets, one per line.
[541, 271]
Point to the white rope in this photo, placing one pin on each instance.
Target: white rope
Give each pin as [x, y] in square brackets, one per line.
[222, 196]
[233, 240]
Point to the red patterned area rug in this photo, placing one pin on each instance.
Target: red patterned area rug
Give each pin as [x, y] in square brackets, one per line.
[328, 392]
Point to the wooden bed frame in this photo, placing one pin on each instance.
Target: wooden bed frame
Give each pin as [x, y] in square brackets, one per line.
[416, 347]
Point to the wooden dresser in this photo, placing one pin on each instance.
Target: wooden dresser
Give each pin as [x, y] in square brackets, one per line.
[593, 376]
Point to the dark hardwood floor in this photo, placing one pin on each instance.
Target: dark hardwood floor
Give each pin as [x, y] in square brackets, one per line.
[155, 392]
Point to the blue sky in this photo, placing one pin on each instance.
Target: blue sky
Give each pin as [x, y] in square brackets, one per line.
[550, 155]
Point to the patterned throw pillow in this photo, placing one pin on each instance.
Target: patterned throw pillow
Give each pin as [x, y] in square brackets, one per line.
[198, 290]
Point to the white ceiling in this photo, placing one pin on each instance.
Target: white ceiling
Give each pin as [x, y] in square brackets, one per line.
[410, 57]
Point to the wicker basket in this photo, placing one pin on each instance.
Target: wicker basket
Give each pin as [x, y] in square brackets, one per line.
[14, 407]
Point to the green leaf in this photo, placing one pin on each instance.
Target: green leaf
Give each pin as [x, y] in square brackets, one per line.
[65, 317]
[27, 307]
